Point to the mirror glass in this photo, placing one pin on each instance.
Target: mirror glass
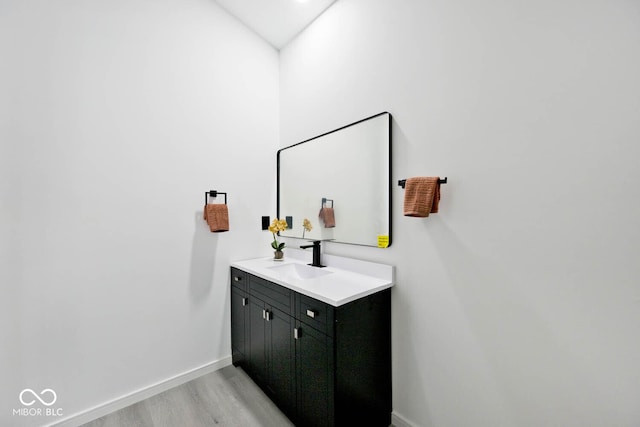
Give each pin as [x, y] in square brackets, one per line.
[340, 182]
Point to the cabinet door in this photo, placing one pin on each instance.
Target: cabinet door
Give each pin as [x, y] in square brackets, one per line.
[256, 345]
[315, 382]
[239, 326]
[281, 359]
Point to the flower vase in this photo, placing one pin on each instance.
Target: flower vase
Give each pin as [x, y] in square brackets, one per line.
[278, 255]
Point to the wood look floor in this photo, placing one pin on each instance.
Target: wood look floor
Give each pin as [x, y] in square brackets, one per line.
[227, 397]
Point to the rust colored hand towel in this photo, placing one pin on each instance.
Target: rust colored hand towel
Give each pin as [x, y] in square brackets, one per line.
[328, 217]
[421, 196]
[217, 216]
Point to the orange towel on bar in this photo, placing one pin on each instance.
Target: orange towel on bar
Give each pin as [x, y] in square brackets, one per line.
[217, 216]
[328, 217]
[421, 196]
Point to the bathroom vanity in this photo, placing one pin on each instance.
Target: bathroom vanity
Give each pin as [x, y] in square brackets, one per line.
[316, 340]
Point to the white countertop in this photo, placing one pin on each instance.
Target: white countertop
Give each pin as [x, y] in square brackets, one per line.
[346, 280]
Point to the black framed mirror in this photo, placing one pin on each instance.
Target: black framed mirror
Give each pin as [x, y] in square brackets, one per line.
[340, 182]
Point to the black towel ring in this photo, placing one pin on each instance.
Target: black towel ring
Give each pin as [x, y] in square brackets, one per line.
[213, 194]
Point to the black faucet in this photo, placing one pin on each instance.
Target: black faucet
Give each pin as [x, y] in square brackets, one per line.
[316, 253]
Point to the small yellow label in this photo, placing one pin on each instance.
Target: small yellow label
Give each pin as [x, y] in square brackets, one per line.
[383, 241]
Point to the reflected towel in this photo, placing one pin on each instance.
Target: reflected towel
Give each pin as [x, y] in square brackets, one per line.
[217, 216]
[421, 196]
[328, 217]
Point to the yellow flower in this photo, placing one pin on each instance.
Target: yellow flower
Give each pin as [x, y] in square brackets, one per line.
[306, 226]
[276, 226]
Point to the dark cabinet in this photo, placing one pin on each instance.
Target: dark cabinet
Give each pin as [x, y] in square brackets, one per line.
[281, 360]
[362, 350]
[314, 377]
[269, 342]
[239, 316]
[271, 355]
[322, 365]
[256, 364]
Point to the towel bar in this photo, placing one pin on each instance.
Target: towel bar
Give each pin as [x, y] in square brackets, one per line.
[213, 194]
[402, 182]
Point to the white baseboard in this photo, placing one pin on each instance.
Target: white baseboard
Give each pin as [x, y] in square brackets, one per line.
[399, 421]
[101, 410]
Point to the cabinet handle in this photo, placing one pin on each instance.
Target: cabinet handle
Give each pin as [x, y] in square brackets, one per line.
[264, 314]
[237, 279]
[268, 316]
[296, 333]
[311, 314]
[244, 302]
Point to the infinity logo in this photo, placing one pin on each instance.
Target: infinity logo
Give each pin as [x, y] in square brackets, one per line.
[29, 403]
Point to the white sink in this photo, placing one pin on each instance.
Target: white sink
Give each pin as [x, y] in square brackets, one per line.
[343, 281]
[298, 271]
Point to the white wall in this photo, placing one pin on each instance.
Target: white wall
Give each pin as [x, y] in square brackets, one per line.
[518, 304]
[115, 117]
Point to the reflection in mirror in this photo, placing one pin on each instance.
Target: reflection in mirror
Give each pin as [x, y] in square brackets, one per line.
[340, 183]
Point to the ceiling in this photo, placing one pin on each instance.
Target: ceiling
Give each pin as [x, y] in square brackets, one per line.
[277, 21]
